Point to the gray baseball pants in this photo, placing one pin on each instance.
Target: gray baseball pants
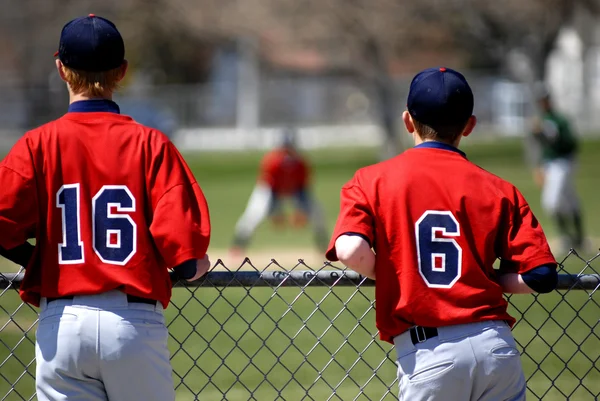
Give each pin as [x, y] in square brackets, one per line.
[467, 362]
[559, 195]
[101, 347]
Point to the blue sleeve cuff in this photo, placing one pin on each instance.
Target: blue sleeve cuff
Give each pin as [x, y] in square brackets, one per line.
[20, 255]
[186, 270]
[542, 279]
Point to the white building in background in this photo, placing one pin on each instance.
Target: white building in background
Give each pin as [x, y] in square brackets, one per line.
[573, 72]
[572, 76]
[565, 75]
[511, 110]
[504, 107]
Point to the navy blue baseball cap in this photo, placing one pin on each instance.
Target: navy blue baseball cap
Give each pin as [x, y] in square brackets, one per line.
[440, 97]
[91, 43]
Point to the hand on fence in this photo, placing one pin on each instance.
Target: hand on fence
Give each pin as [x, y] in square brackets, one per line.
[202, 266]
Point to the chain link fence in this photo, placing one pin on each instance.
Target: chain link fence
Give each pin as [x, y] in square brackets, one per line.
[277, 333]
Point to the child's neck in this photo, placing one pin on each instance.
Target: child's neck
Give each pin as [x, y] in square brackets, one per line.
[79, 97]
[419, 140]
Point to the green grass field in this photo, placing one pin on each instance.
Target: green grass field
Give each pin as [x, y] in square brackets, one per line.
[250, 344]
[227, 180]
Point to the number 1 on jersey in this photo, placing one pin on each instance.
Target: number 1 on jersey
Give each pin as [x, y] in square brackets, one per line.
[439, 257]
[70, 251]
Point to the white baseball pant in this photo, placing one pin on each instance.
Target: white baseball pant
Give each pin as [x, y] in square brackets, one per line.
[558, 192]
[466, 362]
[101, 347]
[262, 203]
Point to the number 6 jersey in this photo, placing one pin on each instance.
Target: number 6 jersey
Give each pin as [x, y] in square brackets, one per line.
[110, 203]
[437, 224]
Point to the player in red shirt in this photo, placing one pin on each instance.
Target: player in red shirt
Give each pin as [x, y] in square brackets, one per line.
[112, 205]
[436, 224]
[284, 173]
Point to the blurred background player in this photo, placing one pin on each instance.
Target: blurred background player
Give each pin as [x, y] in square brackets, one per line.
[554, 172]
[284, 174]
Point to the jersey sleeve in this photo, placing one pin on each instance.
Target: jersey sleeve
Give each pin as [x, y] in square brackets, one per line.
[268, 168]
[523, 245]
[180, 224]
[18, 203]
[355, 217]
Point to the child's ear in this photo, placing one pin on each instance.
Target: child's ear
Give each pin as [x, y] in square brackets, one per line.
[408, 122]
[123, 70]
[470, 126]
[59, 68]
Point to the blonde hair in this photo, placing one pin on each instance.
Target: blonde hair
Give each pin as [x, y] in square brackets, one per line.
[92, 83]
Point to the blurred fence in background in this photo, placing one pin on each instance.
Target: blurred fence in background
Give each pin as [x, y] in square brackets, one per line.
[339, 110]
[305, 334]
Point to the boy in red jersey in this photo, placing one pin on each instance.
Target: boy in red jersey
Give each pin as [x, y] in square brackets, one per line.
[112, 205]
[436, 223]
[284, 173]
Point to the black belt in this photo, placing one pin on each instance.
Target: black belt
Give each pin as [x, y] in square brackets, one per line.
[130, 299]
[419, 334]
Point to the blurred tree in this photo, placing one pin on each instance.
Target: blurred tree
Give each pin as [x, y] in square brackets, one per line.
[159, 43]
[515, 37]
[155, 41]
[34, 28]
[175, 39]
[361, 36]
[493, 32]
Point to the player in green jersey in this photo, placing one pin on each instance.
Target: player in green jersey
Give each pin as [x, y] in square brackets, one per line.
[555, 171]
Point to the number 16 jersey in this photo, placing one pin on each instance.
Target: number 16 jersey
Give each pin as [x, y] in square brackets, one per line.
[111, 204]
[437, 223]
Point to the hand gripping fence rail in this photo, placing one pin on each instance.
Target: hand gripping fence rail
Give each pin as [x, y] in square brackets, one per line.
[300, 333]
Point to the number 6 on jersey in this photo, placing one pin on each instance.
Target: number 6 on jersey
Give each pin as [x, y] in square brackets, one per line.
[439, 258]
[114, 235]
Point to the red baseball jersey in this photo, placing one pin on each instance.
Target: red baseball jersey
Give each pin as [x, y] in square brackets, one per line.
[437, 224]
[111, 204]
[284, 171]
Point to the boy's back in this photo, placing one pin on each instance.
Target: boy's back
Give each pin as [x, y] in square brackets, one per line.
[285, 171]
[440, 224]
[105, 197]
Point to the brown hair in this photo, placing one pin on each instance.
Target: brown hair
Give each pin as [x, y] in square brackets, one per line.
[92, 83]
[445, 133]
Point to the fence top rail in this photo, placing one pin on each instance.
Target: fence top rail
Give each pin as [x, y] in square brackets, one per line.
[308, 278]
